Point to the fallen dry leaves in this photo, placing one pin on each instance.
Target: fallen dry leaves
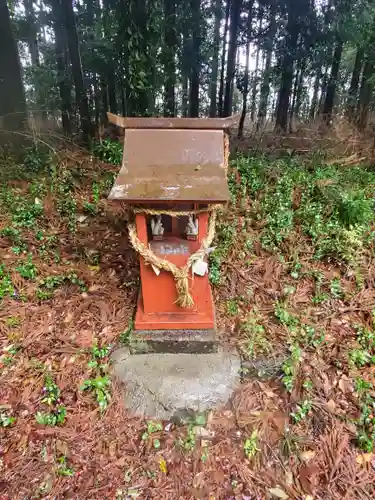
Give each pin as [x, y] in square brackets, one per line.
[313, 460]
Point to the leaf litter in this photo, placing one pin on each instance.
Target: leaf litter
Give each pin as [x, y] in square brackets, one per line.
[96, 454]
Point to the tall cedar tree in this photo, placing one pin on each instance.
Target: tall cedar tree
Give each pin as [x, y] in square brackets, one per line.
[217, 4]
[12, 97]
[195, 58]
[245, 90]
[62, 65]
[75, 58]
[170, 45]
[235, 12]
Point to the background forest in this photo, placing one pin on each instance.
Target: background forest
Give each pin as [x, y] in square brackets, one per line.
[283, 61]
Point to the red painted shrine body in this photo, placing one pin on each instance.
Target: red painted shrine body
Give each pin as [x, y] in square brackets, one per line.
[178, 165]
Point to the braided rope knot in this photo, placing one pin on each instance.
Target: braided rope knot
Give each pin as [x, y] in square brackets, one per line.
[181, 275]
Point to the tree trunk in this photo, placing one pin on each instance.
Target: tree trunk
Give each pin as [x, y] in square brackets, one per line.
[331, 88]
[314, 101]
[294, 98]
[12, 97]
[287, 74]
[265, 87]
[170, 44]
[195, 59]
[110, 74]
[365, 94]
[75, 58]
[354, 82]
[299, 93]
[245, 93]
[33, 33]
[62, 66]
[104, 95]
[215, 60]
[235, 11]
[246, 78]
[223, 55]
[255, 84]
[185, 67]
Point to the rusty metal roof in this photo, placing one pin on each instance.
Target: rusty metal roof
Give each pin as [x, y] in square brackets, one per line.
[172, 165]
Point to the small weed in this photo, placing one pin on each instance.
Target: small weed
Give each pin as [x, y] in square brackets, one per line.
[26, 213]
[6, 285]
[55, 417]
[289, 320]
[149, 434]
[308, 385]
[336, 289]
[225, 237]
[98, 354]
[9, 353]
[47, 285]
[51, 397]
[251, 445]
[51, 392]
[366, 421]
[37, 159]
[13, 321]
[15, 237]
[125, 336]
[301, 411]
[27, 269]
[99, 387]
[62, 467]
[256, 340]
[364, 353]
[6, 420]
[290, 443]
[187, 444]
[312, 337]
[232, 307]
[296, 270]
[290, 367]
[108, 151]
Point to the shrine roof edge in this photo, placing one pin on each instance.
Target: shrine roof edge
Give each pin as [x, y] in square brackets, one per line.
[173, 123]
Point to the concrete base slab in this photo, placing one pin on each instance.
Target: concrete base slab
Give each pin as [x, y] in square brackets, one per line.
[164, 386]
[174, 341]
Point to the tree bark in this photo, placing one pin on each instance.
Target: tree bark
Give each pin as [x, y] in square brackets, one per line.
[110, 74]
[185, 68]
[294, 98]
[235, 11]
[12, 97]
[195, 59]
[75, 58]
[223, 55]
[246, 78]
[62, 66]
[215, 60]
[354, 82]
[314, 100]
[170, 44]
[265, 87]
[332, 84]
[299, 93]
[33, 33]
[287, 73]
[254, 86]
[365, 94]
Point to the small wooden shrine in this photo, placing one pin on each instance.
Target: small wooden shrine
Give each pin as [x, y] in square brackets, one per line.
[173, 176]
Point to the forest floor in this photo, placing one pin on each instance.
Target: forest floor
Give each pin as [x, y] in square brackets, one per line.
[293, 275]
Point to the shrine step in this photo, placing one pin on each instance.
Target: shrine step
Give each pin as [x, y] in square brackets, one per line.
[169, 386]
[174, 341]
